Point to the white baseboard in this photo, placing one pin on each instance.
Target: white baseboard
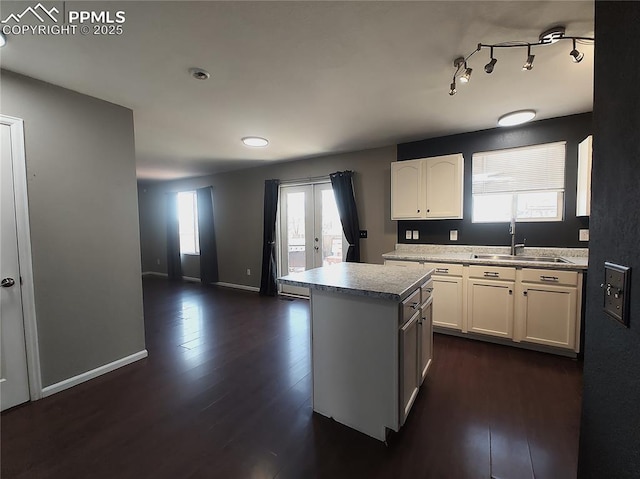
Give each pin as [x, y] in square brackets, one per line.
[237, 286]
[94, 373]
[197, 280]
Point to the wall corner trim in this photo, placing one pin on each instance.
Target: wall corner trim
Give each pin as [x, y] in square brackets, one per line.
[94, 373]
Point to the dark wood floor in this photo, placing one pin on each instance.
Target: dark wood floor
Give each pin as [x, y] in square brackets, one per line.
[225, 392]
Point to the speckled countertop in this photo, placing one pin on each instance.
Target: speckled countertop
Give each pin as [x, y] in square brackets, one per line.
[576, 258]
[372, 280]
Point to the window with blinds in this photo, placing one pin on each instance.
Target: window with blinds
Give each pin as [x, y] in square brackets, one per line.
[522, 183]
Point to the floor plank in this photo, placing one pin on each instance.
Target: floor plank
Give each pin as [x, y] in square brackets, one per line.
[226, 392]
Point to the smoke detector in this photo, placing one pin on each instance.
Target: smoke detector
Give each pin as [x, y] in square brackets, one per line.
[199, 73]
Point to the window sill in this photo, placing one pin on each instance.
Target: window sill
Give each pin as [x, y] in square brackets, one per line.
[189, 254]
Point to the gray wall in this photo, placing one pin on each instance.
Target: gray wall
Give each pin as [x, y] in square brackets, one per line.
[84, 225]
[610, 426]
[238, 209]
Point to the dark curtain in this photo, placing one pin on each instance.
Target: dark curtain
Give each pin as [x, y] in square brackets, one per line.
[268, 285]
[207, 236]
[174, 262]
[342, 183]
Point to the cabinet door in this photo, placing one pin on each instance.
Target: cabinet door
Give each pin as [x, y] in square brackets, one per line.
[583, 198]
[425, 329]
[444, 178]
[409, 373]
[447, 302]
[550, 315]
[490, 307]
[407, 195]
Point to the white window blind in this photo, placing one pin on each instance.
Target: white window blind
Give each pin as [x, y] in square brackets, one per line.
[526, 169]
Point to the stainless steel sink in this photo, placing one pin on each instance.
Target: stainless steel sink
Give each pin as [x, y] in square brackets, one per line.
[508, 257]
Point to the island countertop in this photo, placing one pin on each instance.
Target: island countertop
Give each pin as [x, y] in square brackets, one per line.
[362, 279]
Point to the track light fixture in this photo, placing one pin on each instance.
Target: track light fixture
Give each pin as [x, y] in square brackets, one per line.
[546, 38]
[528, 65]
[576, 56]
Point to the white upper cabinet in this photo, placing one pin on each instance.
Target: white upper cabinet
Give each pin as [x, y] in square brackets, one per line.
[444, 178]
[407, 190]
[427, 188]
[583, 200]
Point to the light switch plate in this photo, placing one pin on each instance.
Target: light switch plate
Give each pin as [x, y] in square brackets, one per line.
[407, 234]
[616, 289]
[583, 235]
[416, 234]
[453, 235]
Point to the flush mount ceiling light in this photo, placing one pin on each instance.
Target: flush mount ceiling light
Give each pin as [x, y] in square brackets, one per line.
[552, 35]
[516, 118]
[255, 141]
[199, 73]
[546, 38]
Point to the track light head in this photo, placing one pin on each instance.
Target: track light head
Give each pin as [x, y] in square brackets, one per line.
[576, 56]
[466, 76]
[528, 65]
[489, 66]
[452, 88]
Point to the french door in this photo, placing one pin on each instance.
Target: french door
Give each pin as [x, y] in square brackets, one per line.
[310, 232]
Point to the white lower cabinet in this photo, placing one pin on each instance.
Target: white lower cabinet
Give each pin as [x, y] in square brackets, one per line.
[548, 308]
[425, 331]
[490, 307]
[490, 300]
[409, 361]
[448, 293]
[531, 305]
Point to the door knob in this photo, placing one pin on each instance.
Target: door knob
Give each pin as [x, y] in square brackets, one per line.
[7, 282]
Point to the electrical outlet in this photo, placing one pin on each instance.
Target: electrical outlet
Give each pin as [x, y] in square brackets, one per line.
[584, 235]
[453, 235]
[158, 260]
[407, 234]
[248, 272]
[416, 234]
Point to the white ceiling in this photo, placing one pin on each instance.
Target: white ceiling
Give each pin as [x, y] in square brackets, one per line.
[312, 77]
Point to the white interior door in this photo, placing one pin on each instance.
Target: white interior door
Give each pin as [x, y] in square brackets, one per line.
[310, 230]
[14, 383]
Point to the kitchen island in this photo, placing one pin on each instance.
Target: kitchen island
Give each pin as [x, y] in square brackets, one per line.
[371, 342]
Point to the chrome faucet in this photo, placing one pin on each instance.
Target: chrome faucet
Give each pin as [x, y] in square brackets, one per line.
[512, 232]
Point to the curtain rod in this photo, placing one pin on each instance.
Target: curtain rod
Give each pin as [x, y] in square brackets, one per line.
[309, 179]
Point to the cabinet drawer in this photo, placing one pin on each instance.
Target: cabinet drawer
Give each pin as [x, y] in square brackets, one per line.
[410, 306]
[426, 291]
[492, 272]
[402, 263]
[549, 276]
[445, 269]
